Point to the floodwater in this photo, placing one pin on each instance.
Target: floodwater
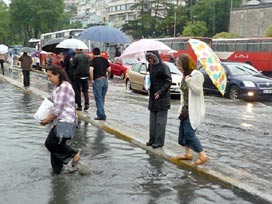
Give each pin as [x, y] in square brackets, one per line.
[121, 172]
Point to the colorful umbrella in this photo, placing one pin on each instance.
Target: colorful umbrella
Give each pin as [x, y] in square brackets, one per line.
[211, 63]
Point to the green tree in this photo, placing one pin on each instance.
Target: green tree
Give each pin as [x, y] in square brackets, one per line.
[225, 35]
[268, 32]
[30, 18]
[4, 23]
[215, 13]
[199, 28]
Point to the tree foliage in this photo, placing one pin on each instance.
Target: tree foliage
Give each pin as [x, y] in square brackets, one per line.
[225, 35]
[30, 18]
[4, 23]
[199, 28]
[268, 32]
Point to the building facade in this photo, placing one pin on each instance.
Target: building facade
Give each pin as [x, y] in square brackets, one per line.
[251, 19]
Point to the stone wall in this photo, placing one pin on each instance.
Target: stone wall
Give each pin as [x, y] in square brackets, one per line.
[250, 22]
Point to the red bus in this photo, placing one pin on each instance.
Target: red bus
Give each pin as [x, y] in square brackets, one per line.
[181, 45]
[254, 51]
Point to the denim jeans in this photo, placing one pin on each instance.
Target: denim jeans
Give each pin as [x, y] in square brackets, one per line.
[100, 87]
[187, 136]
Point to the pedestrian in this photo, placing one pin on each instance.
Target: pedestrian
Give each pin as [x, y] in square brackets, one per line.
[2, 60]
[10, 59]
[63, 98]
[100, 69]
[81, 66]
[192, 110]
[159, 98]
[26, 62]
[117, 52]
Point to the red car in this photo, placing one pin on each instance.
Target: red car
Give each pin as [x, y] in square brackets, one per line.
[119, 66]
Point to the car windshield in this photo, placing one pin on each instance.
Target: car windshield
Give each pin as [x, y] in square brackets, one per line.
[130, 61]
[242, 69]
[173, 68]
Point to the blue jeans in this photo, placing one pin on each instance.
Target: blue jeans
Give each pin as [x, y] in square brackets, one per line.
[100, 87]
[187, 136]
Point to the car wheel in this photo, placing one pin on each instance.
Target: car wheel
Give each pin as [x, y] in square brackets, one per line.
[128, 85]
[122, 75]
[233, 92]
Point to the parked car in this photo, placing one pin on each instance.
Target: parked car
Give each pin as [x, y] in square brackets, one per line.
[136, 75]
[119, 66]
[243, 81]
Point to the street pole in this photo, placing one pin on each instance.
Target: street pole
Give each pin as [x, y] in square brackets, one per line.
[175, 23]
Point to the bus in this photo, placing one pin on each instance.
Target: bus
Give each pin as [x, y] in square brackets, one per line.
[181, 45]
[254, 51]
[69, 33]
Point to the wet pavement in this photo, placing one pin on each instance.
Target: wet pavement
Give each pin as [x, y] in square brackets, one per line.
[121, 172]
[236, 134]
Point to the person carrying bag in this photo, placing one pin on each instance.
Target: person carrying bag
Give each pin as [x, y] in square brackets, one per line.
[64, 118]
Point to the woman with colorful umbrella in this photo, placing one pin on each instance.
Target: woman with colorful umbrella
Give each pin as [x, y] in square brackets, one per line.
[192, 109]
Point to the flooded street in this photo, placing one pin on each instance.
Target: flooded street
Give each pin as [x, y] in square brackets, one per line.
[121, 172]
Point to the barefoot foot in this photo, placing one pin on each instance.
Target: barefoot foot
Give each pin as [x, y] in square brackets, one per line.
[200, 161]
[76, 158]
[184, 157]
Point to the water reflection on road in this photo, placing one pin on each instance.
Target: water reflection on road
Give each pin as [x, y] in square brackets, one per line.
[122, 173]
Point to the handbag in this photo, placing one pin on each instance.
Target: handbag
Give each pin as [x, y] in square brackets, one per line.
[184, 113]
[65, 130]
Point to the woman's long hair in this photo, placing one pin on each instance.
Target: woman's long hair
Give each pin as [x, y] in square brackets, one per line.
[56, 70]
[187, 63]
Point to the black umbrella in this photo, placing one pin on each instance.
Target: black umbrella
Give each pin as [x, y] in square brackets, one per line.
[50, 45]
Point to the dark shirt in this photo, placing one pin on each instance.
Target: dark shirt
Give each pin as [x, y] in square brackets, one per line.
[100, 65]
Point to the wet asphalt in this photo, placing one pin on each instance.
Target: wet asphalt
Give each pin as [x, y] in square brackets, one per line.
[236, 134]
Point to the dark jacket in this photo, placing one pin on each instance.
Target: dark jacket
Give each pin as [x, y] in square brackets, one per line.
[160, 82]
[81, 65]
[26, 61]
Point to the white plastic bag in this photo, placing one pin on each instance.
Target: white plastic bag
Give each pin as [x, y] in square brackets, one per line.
[147, 82]
[44, 110]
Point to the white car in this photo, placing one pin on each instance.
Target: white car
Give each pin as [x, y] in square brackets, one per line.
[135, 77]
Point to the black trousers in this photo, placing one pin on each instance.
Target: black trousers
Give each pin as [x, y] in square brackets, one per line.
[60, 153]
[2, 66]
[81, 85]
[26, 74]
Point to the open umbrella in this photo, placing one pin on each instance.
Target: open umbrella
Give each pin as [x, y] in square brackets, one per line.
[28, 49]
[143, 45]
[211, 63]
[105, 34]
[72, 44]
[3, 49]
[50, 45]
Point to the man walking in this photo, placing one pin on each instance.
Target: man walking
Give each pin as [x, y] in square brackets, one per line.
[81, 66]
[26, 62]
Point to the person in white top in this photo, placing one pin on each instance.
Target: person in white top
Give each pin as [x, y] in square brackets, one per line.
[192, 109]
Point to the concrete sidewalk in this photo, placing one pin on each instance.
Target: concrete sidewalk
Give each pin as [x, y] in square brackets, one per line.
[237, 180]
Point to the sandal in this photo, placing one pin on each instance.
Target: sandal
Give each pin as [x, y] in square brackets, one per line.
[76, 158]
[184, 157]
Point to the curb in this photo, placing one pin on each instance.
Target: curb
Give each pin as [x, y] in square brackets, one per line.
[255, 194]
